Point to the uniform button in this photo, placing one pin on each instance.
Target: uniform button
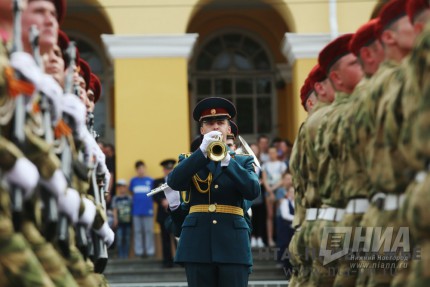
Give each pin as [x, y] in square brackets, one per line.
[216, 186]
[214, 222]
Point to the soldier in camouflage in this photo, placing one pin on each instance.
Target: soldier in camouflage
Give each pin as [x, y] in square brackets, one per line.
[353, 181]
[344, 72]
[300, 179]
[384, 165]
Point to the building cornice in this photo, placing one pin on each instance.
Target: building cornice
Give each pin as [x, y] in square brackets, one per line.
[149, 46]
[303, 46]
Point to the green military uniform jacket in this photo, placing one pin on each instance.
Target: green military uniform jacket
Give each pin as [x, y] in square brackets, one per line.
[311, 197]
[328, 150]
[362, 125]
[300, 176]
[385, 165]
[413, 106]
[214, 237]
[353, 175]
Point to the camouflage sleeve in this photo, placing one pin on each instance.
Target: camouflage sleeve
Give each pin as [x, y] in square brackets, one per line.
[416, 127]
[387, 163]
[40, 153]
[328, 152]
[408, 103]
[321, 151]
[9, 153]
[311, 198]
[299, 177]
[297, 157]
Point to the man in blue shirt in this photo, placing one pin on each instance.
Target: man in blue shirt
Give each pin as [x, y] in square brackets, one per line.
[143, 212]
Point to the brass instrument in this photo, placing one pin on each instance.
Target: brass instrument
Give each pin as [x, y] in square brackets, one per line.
[217, 150]
[245, 149]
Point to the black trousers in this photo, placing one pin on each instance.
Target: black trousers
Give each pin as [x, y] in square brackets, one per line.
[217, 275]
[167, 246]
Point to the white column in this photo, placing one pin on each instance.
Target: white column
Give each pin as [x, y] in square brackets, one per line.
[303, 46]
[149, 46]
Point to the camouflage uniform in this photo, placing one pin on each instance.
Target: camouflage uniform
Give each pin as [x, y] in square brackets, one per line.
[46, 162]
[311, 197]
[78, 267]
[328, 184]
[368, 133]
[413, 106]
[353, 180]
[19, 266]
[299, 181]
[38, 152]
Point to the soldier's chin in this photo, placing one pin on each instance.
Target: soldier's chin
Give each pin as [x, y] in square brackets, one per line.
[47, 43]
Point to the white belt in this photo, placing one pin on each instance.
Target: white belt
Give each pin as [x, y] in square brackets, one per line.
[332, 214]
[311, 214]
[357, 206]
[390, 201]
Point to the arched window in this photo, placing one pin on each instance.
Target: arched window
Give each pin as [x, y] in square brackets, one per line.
[238, 68]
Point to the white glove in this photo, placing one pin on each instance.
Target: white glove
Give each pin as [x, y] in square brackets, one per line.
[25, 175]
[91, 146]
[107, 181]
[54, 93]
[209, 138]
[86, 137]
[69, 203]
[257, 169]
[87, 217]
[101, 161]
[25, 64]
[100, 157]
[225, 161]
[57, 184]
[106, 234]
[73, 107]
[173, 197]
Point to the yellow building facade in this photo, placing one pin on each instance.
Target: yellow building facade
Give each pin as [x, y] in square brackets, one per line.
[157, 58]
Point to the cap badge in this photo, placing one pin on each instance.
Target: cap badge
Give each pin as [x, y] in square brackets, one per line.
[213, 111]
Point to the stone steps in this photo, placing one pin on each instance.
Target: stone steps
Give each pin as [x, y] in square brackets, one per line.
[150, 270]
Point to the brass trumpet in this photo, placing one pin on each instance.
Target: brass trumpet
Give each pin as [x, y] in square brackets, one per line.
[217, 150]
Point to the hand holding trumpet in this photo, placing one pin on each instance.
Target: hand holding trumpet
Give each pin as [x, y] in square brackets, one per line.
[209, 138]
[214, 148]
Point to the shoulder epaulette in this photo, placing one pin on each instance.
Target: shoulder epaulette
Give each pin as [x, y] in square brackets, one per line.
[186, 154]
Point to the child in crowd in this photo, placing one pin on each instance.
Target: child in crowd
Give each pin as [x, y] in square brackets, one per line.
[121, 205]
[284, 226]
[272, 172]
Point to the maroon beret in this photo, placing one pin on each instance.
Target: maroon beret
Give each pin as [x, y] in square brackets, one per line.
[96, 87]
[390, 13]
[364, 36]
[63, 40]
[85, 72]
[414, 7]
[306, 91]
[60, 7]
[334, 50]
[317, 75]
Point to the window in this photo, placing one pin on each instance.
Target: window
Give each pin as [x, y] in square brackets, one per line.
[238, 68]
